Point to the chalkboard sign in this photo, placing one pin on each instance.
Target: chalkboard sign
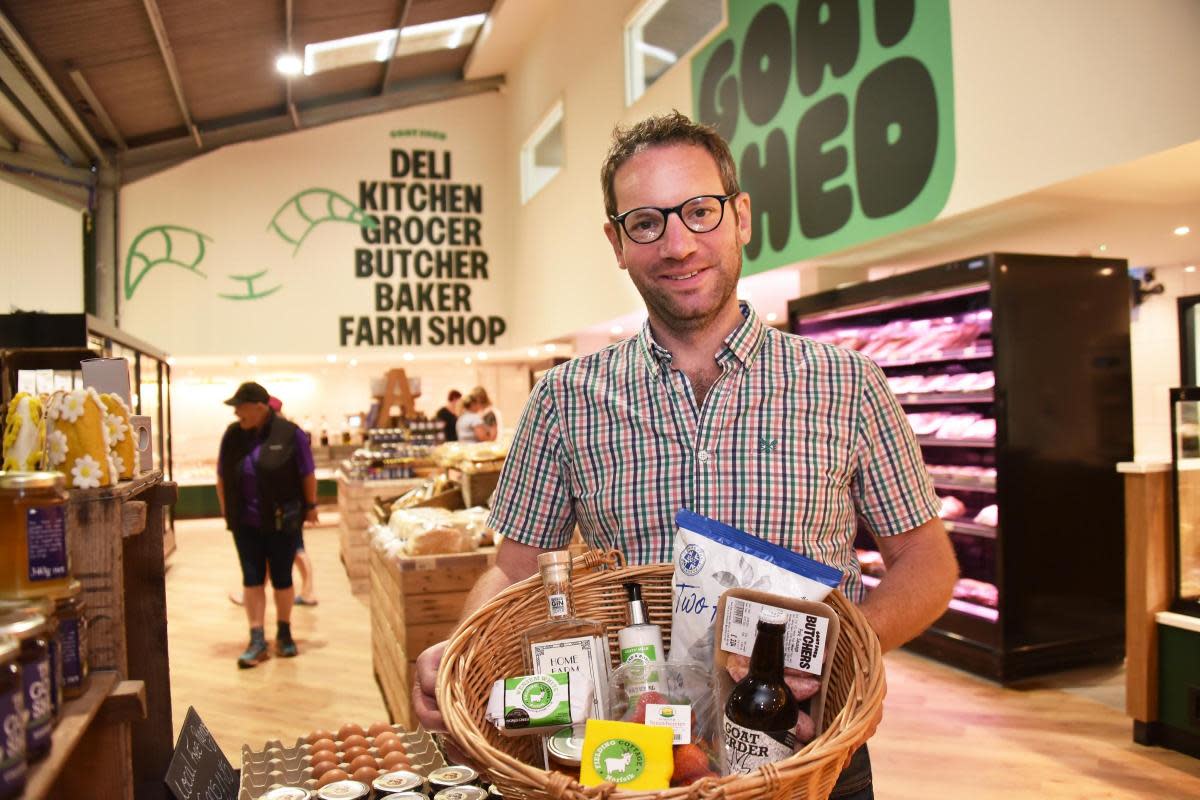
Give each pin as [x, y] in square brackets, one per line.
[199, 770]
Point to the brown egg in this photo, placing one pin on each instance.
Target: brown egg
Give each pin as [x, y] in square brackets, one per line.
[378, 728]
[386, 736]
[317, 736]
[353, 753]
[321, 767]
[391, 746]
[366, 774]
[331, 776]
[395, 760]
[349, 729]
[324, 755]
[355, 740]
[323, 744]
[365, 760]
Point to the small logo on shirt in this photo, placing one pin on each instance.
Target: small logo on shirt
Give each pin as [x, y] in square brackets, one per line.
[766, 445]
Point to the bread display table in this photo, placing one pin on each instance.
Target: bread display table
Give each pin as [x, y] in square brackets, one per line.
[415, 602]
[355, 501]
[115, 537]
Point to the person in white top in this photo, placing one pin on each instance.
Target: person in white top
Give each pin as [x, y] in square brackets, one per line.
[478, 422]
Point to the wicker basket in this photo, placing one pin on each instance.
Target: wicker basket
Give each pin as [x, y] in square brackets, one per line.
[486, 647]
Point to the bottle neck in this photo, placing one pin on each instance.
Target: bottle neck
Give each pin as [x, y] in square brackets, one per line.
[557, 585]
[766, 660]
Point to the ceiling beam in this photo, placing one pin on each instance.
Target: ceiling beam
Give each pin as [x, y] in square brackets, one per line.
[47, 167]
[401, 21]
[168, 56]
[68, 194]
[31, 105]
[139, 162]
[8, 139]
[291, 103]
[80, 133]
[98, 109]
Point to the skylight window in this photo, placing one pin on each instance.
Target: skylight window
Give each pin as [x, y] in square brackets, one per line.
[446, 34]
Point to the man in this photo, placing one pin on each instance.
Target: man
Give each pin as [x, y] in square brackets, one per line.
[267, 489]
[448, 414]
[711, 410]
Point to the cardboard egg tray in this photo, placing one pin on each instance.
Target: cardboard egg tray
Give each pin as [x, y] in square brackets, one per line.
[276, 765]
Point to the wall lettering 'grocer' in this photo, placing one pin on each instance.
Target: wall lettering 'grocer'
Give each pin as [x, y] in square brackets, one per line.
[839, 114]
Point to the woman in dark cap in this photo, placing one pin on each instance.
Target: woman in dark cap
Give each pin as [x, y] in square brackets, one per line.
[267, 488]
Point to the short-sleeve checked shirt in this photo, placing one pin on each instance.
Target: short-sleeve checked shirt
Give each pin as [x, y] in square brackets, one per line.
[795, 442]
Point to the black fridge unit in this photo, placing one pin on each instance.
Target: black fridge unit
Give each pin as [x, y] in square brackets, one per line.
[1014, 371]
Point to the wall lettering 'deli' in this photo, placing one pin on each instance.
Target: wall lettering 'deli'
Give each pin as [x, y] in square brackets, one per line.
[840, 116]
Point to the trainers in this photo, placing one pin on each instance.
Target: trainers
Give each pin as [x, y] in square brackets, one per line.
[256, 653]
[286, 648]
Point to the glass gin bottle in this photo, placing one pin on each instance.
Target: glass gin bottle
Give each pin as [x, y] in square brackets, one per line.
[564, 642]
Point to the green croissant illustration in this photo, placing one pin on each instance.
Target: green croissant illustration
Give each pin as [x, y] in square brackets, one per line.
[296, 218]
[163, 244]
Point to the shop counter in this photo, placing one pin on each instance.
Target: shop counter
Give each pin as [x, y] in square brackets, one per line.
[415, 602]
[356, 499]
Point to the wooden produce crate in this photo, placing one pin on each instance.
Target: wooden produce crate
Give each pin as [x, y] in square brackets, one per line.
[115, 536]
[356, 500]
[415, 602]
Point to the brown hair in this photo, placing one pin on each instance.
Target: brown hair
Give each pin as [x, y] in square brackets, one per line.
[657, 131]
[476, 396]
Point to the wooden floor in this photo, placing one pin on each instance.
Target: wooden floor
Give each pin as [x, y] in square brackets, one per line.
[945, 734]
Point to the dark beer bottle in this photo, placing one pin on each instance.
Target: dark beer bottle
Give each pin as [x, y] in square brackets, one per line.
[760, 715]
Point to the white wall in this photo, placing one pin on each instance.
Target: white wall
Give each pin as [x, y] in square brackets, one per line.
[232, 195]
[41, 253]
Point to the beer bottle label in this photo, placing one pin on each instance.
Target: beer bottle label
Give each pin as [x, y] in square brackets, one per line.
[746, 750]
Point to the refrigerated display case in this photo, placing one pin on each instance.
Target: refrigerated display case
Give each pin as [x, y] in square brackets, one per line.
[1014, 373]
[1185, 451]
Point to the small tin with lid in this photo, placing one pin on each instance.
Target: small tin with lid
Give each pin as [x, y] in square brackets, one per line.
[12, 720]
[344, 790]
[450, 777]
[397, 781]
[461, 793]
[565, 746]
[288, 793]
[33, 533]
[404, 796]
[32, 631]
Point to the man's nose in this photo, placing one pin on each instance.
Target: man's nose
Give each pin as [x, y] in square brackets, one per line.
[678, 240]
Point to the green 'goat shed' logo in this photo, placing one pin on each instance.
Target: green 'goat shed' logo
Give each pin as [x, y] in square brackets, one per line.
[186, 248]
[618, 761]
[537, 695]
[840, 116]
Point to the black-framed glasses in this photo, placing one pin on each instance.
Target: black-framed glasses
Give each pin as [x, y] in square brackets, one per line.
[699, 214]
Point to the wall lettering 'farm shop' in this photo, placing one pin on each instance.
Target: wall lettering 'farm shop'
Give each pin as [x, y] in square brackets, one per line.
[425, 257]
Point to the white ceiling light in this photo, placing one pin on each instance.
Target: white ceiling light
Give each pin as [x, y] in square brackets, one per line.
[1103, 248]
[616, 330]
[289, 64]
[550, 348]
[482, 356]
[446, 34]
[772, 316]
[251, 359]
[1182, 230]
[467, 360]
[661, 53]
[533, 352]
[409, 356]
[1190, 268]
[331, 358]
[354, 362]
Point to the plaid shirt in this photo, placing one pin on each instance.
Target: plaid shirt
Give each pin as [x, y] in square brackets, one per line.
[795, 441]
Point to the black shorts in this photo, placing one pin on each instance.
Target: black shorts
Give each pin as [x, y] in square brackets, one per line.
[260, 550]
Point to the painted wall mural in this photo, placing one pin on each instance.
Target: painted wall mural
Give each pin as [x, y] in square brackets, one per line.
[840, 115]
[375, 233]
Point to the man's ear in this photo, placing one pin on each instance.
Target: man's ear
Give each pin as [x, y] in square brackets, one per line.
[744, 227]
[614, 238]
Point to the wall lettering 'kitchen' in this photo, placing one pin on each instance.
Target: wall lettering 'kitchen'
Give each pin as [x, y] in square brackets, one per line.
[840, 116]
[424, 254]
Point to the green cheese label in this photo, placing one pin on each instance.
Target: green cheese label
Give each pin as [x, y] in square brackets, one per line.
[618, 761]
[645, 653]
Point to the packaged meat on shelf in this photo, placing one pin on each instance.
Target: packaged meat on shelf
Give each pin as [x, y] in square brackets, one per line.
[970, 348]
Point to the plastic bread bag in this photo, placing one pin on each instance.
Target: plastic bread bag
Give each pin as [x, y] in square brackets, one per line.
[711, 557]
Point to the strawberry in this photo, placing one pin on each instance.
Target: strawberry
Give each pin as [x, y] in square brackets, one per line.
[691, 764]
[644, 700]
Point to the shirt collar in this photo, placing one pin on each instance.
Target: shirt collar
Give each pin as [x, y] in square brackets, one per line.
[740, 345]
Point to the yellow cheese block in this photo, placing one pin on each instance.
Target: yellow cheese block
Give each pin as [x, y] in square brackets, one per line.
[120, 436]
[77, 439]
[626, 754]
[24, 434]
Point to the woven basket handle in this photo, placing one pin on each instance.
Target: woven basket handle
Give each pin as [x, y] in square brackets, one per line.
[595, 560]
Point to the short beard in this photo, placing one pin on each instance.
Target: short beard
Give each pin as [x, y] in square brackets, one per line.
[661, 308]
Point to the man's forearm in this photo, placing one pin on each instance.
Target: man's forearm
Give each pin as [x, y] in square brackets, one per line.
[514, 562]
[916, 588]
[489, 584]
[310, 488]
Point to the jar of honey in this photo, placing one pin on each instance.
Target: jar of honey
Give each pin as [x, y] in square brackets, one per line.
[12, 720]
[71, 638]
[45, 606]
[32, 631]
[33, 533]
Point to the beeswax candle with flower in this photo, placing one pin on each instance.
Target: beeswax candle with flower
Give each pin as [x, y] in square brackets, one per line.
[77, 444]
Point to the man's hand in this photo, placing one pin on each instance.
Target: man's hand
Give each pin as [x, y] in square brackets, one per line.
[311, 517]
[424, 696]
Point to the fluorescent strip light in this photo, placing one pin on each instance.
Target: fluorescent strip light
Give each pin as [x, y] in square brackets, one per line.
[661, 53]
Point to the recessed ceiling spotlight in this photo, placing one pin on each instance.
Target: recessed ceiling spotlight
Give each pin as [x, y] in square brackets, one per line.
[772, 316]
[288, 64]
[1182, 230]
[616, 330]
[354, 362]
[251, 359]
[1190, 268]
[331, 358]
[467, 360]
[170, 361]
[409, 356]
[533, 352]
[1103, 248]
[482, 356]
[1106, 271]
[550, 348]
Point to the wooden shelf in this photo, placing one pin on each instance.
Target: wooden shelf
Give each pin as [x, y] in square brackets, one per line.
[105, 690]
